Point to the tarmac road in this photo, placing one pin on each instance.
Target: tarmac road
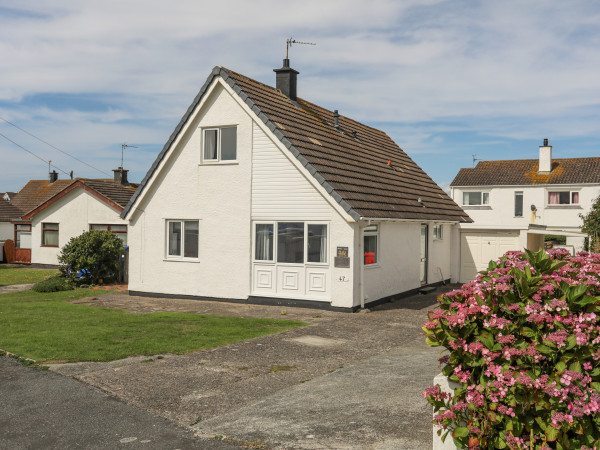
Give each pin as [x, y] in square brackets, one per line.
[41, 409]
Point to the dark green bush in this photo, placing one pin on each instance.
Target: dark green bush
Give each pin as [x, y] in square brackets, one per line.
[53, 284]
[95, 254]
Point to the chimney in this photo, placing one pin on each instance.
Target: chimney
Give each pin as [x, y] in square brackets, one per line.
[53, 176]
[286, 79]
[121, 176]
[545, 158]
[336, 119]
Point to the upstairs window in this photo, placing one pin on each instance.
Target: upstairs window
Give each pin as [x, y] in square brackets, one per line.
[563, 198]
[49, 235]
[476, 198]
[220, 144]
[518, 204]
[182, 238]
[438, 232]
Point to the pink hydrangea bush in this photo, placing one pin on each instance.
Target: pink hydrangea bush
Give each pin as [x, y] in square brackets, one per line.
[524, 345]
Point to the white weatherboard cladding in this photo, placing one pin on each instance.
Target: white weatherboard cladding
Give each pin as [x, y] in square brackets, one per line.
[279, 190]
[282, 192]
[74, 212]
[218, 195]
[398, 267]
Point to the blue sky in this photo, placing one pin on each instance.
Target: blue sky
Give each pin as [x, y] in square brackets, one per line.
[445, 79]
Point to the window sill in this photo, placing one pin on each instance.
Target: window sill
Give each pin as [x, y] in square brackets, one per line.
[50, 246]
[188, 260]
[219, 163]
[466, 207]
[564, 207]
[371, 266]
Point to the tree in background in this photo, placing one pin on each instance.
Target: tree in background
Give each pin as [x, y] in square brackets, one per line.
[591, 226]
[96, 255]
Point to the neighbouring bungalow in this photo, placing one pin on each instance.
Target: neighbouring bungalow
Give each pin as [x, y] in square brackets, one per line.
[54, 211]
[261, 196]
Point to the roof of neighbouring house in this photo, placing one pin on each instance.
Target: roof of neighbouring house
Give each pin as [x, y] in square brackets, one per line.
[38, 194]
[525, 172]
[367, 173]
[8, 211]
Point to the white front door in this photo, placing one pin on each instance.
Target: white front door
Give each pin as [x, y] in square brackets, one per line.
[291, 260]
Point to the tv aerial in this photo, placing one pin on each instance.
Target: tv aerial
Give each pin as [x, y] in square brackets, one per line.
[123, 147]
[290, 41]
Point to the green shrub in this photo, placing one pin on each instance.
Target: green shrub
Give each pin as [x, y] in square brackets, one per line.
[53, 284]
[95, 254]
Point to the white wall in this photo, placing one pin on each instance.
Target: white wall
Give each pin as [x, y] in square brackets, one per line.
[398, 269]
[74, 213]
[7, 231]
[218, 195]
[501, 208]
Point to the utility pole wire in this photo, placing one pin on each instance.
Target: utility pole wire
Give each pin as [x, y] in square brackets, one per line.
[38, 157]
[55, 148]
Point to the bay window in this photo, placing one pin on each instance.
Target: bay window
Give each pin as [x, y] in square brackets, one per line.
[292, 242]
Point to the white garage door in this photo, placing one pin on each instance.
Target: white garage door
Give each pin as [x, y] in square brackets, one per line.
[478, 249]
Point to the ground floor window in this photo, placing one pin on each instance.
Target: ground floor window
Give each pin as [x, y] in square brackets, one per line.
[49, 235]
[294, 242]
[182, 238]
[23, 235]
[119, 230]
[370, 241]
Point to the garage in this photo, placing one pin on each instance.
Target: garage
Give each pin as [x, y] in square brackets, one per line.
[477, 249]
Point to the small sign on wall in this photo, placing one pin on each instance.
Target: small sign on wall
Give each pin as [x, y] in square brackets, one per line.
[342, 258]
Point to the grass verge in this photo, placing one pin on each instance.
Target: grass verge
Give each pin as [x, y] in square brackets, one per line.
[16, 275]
[46, 327]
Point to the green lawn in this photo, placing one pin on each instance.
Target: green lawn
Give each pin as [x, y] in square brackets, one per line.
[16, 275]
[45, 327]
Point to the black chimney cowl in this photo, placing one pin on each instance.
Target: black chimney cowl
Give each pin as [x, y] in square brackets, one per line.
[53, 176]
[286, 79]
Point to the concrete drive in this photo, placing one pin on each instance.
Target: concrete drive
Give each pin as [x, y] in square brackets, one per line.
[344, 381]
[45, 410]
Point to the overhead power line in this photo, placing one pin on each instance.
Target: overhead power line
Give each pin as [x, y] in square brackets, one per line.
[38, 157]
[55, 148]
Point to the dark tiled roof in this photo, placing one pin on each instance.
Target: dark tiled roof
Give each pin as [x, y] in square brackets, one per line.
[354, 170]
[116, 192]
[525, 172]
[36, 192]
[8, 211]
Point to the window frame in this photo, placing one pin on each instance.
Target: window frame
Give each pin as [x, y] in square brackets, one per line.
[373, 232]
[45, 229]
[438, 232]
[18, 230]
[562, 205]
[522, 195]
[108, 228]
[275, 226]
[181, 256]
[218, 159]
[485, 195]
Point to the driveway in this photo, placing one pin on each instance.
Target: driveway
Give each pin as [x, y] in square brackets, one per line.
[344, 381]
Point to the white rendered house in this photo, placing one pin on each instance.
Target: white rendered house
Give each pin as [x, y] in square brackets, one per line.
[261, 196]
[81, 205]
[515, 203]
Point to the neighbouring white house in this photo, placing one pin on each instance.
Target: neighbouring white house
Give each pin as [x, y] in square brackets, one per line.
[262, 196]
[8, 212]
[54, 211]
[515, 203]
